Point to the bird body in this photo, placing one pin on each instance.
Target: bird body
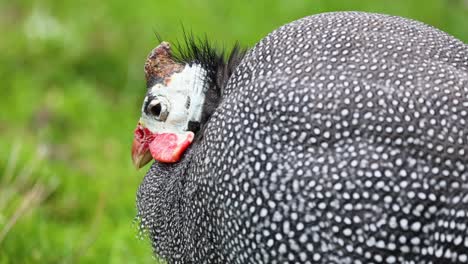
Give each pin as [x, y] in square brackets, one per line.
[339, 138]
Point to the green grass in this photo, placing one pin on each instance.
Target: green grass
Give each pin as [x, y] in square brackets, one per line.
[71, 86]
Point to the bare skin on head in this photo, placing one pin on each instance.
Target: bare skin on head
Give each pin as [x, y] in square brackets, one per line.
[162, 132]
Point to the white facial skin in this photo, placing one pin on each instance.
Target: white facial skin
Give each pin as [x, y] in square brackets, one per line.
[189, 83]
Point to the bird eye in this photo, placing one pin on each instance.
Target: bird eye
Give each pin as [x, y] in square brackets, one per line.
[155, 109]
[159, 109]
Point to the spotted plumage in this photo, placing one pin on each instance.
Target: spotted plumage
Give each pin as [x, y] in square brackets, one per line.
[339, 138]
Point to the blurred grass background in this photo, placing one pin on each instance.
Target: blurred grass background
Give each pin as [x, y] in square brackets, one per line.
[71, 84]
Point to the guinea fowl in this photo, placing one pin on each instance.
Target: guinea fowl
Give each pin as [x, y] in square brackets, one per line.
[339, 138]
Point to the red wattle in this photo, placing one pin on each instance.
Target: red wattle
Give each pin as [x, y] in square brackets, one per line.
[169, 147]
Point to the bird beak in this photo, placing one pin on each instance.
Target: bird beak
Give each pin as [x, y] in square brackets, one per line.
[141, 154]
[163, 147]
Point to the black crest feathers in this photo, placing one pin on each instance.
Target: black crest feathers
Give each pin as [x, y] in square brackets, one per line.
[219, 64]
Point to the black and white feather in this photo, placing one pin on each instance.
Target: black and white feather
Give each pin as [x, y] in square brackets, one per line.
[339, 138]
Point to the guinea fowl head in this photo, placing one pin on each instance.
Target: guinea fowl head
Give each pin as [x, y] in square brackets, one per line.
[183, 90]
